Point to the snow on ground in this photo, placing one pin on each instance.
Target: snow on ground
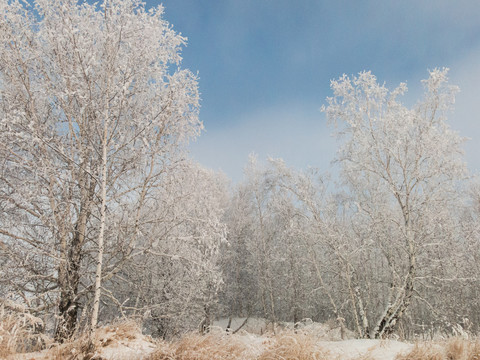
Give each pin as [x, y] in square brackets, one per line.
[328, 337]
[338, 350]
[358, 348]
[129, 345]
[123, 350]
[260, 326]
[125, 342]
[252, 326]
[127, 350]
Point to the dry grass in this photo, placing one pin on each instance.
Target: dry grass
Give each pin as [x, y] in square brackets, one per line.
[288, 345]
[206, 347]
[124, 330]
[84, 348]
[423, 351]
[458, 349]
[293, 346]
[220, 346]
[452, 349]
[8, 336]
[18, 333]
[80, 349]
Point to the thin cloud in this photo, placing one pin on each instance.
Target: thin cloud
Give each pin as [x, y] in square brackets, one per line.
[296, 133]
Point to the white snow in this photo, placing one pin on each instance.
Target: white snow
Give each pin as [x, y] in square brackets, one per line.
[376, 349]
[127, 349]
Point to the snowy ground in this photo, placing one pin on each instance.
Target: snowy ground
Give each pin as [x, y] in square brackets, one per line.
[127, 343]
[122, 342]
[140, 348]
[359, 348]
[260, 326]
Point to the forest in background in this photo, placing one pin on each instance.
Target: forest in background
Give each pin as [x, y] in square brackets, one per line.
[103, 215]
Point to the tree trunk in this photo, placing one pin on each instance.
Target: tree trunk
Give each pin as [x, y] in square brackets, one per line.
[362, 312]
[101, 235]
[207, 320]
[69, 277]
[394, 312]
[68, 308]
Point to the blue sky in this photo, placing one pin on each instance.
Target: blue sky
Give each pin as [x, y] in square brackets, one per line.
[265, 68]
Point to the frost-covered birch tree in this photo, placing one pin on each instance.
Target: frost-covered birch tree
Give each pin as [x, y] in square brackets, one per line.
[94, 110]
[321, 235]
[172, 280]
[264, 263]
[402, 167]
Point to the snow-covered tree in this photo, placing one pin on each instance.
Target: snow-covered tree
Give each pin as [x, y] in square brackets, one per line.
[174, 279]
[266, 250]
[94, 111]
[402, 167]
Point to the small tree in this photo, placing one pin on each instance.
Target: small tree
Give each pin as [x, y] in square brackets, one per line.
[402, 168]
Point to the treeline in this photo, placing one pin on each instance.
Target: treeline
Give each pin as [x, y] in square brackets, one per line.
[389, 246]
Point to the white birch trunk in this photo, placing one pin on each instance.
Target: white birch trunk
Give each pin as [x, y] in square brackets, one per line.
[98, 274]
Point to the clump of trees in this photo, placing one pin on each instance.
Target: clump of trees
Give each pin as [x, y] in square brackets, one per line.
[95, 115]
[102, 214]
[380, 247]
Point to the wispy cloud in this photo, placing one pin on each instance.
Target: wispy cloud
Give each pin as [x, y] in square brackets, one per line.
[297, 133]
[265, 68]
[466, 117]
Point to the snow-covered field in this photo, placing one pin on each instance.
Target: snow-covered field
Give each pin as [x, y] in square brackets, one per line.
[312, 341]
